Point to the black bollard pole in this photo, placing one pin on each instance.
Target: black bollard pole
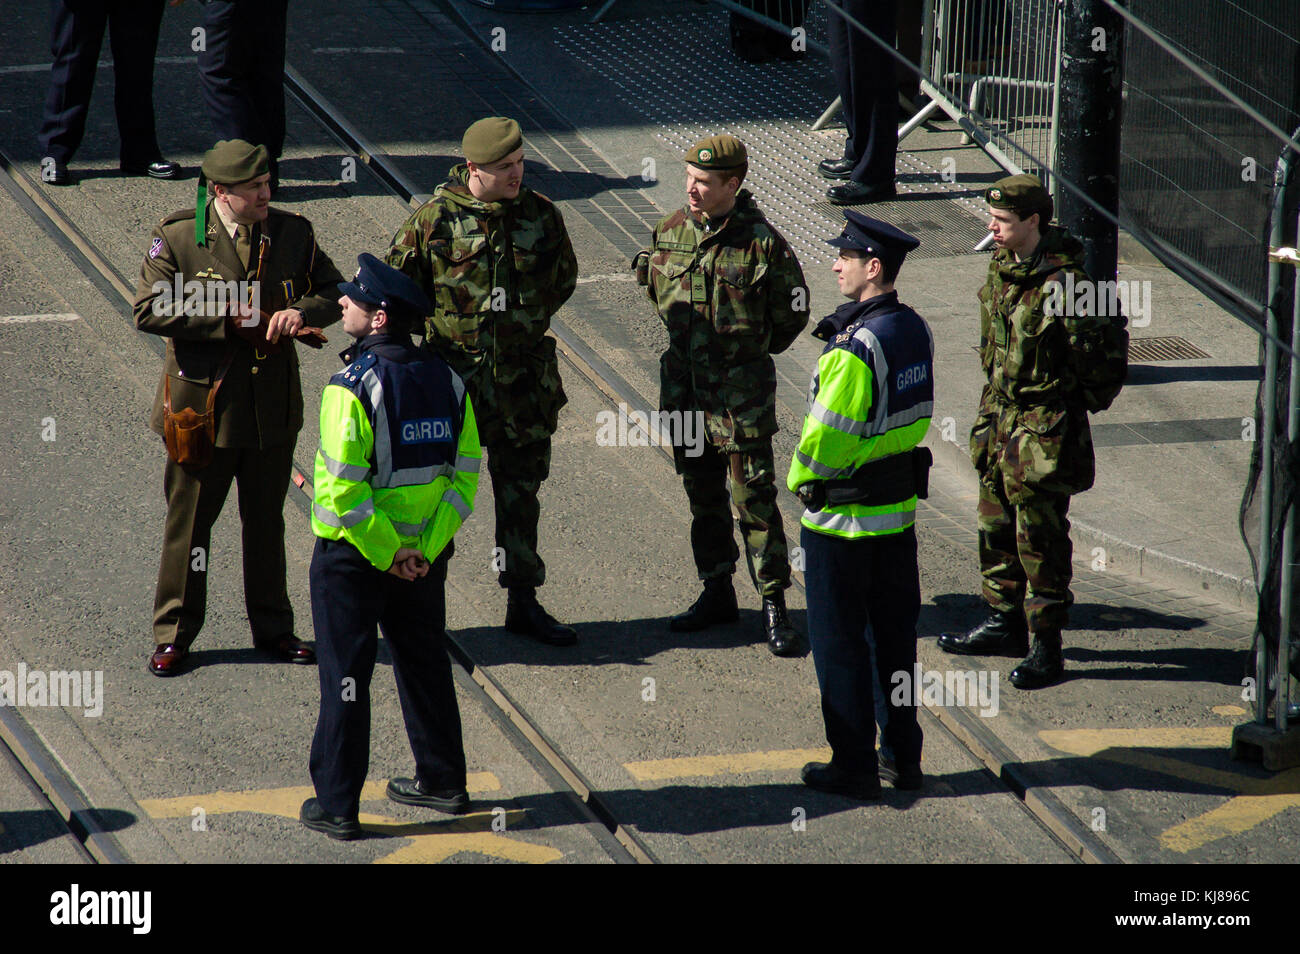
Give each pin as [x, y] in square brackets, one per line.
[1087, 144]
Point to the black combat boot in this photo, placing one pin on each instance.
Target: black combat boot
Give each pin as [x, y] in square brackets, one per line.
[782, 638]
[1044, 665]
[1002, 634]
[717, 604]
[525, 616]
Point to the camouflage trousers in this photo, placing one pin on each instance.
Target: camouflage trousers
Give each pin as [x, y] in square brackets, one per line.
[1025, 554]
[751, 474]
[517, 472]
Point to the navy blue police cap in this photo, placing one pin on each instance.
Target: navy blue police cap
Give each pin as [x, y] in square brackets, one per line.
[383, 286]
[875, 238]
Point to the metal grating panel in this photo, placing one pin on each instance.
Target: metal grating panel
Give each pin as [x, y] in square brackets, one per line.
[1168, 348]
[771, 107]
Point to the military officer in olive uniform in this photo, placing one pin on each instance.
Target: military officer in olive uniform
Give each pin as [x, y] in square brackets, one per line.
[190, 294]
[1048, 365]
[731, 294]
[495, 260]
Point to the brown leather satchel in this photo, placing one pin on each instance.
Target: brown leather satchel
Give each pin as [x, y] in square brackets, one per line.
[190, 437]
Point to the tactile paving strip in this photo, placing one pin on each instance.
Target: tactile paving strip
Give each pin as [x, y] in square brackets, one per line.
[772, 107]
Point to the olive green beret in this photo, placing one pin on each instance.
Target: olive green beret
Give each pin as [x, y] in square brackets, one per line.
[233, 161]
[491, 139]
[718, 152]
[1023, 194]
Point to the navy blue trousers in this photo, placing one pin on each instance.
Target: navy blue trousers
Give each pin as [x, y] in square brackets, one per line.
[76, 35]
[864, 597]
[242, 70]
[866, 78]
[348, 598]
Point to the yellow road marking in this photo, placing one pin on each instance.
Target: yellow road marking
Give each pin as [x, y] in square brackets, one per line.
[1255, 800]
[659, 770]
[1228, 710]
[279, 801]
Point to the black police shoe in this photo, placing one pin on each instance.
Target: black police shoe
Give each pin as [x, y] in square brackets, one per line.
[1002, 634]
[717, 604]
[860, 193]
[1044, 665]
[782, 638]
[410, 791]
[54, 172]
[158, 169]
[338, 827]
[907, 778]
[836, 168]
[525, 616]
[829, 777]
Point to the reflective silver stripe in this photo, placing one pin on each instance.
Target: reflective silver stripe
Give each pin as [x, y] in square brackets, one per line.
[821, 470]
[845, 523]
[910, 416]
[349, 519]
[458, 386]
[881, 371]
[383, 449]
[468, 465]
[337, 468]
[414, 476]
[410, 529]
[845, 425]
[458, 504]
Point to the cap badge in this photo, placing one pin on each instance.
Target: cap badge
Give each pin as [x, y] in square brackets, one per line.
[706, 155]
[995, 195]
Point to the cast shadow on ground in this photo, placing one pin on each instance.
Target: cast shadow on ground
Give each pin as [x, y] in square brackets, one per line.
[27, 828]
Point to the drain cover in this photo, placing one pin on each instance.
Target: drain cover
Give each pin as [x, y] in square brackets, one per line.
[1168, 348]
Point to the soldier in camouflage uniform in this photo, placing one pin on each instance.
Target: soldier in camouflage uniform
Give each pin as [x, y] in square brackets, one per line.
[496, 261]
[1048, 365]
[731, 294]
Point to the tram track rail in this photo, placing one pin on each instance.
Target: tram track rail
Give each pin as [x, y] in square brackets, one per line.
[616, 839]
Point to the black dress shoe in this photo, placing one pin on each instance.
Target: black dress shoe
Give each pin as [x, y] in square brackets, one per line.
[339, 827]
[717, 604]
[158, 169]
[525, 616]
[908, 777]
[782, 638]
[54, 172]
[829, 777]
[836, 168]
[1002, 634]
[860, 193]
[1044, 665]
[168, 659]
[409, 791]
[287, 649]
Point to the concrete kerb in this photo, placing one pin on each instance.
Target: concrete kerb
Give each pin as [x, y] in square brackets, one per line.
[1123, 556]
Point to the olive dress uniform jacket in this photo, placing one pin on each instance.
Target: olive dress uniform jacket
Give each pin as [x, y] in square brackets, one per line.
[259, 403]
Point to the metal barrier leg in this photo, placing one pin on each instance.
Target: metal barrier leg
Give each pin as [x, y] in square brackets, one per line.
[602, 11]
[825, 117]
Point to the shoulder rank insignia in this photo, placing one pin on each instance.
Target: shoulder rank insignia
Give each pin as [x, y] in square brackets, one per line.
[842, 337]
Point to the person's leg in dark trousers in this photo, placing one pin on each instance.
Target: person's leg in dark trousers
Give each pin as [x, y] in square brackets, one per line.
[517, 473]
[225, 63]
[76, 34]
[837, 631]
[268, 76]
[347, 601]
[866, 79]
[133, 27]
[194, 501]
[713, 541]
[414, 623]
[263, 477]
[894, 598]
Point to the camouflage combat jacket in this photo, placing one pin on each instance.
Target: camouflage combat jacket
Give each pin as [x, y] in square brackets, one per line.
[495, 272]
[1046, 368]
[730, 298]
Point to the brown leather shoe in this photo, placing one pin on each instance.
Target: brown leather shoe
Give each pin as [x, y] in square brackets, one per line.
[288, 649]
[168, 659]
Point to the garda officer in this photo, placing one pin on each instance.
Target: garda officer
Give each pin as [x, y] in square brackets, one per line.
[731, 294]
[1047, 366]
[859, 471]
[495, 260]
[240, 365]
[395, 477]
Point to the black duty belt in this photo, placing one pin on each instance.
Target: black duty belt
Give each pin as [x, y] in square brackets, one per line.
[889, 480]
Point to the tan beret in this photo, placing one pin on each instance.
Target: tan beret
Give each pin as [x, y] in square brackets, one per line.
[1023, 194]
[718, 152]
[491, 139]
[233, 161]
